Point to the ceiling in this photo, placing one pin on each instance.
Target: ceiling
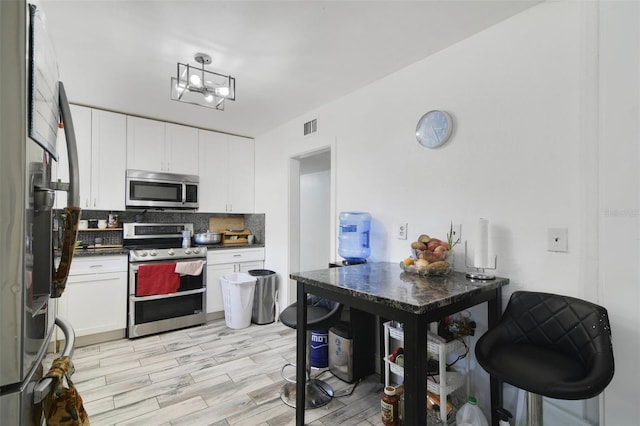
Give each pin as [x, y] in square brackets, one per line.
[288, 57]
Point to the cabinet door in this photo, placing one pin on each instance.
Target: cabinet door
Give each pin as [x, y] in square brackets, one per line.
[82, 125]
[248, 266]
[214, 290]
[95, 303]
[214, 171]
[241, 176]
[181, 148]
[145, 144]
[108, 162]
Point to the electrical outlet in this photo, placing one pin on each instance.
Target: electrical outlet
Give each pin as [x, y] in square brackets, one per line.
[558, 239]
[401, 231]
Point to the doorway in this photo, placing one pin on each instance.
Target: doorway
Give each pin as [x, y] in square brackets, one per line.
[311, 213]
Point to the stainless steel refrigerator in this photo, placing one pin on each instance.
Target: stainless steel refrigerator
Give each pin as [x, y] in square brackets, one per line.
[32, 105]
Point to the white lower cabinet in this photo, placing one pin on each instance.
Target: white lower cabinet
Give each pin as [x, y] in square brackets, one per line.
[95, 299]
[223, 262]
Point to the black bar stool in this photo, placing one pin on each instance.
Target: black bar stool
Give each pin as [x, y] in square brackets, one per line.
[549, 345]
[320, 316]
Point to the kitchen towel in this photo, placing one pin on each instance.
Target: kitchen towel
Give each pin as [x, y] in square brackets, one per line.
[157, 279]
[63, 406]
[189, 268]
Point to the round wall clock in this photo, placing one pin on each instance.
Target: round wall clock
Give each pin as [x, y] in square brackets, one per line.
[434, 128]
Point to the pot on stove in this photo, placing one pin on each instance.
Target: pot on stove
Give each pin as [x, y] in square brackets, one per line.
[208, 237]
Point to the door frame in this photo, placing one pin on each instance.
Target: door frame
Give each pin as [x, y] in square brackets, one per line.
[294, 211]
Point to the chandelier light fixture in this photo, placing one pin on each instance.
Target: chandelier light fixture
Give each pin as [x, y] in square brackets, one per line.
[201, 87]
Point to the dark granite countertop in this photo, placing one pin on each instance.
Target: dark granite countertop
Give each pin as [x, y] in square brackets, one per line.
[386, 283]
[80, 252]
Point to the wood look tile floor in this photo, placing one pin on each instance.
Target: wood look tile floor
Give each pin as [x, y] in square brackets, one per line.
[208, 375]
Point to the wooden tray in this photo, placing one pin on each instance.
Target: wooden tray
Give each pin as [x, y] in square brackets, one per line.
[235, 238]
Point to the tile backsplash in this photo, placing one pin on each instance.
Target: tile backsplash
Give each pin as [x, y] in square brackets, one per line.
[253, 222]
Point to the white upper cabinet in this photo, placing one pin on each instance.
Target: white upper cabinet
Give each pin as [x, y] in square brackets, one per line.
[101, 138]
[145, 144]
[181, 149]
[161, 147]
[226, 173]
[108, 161]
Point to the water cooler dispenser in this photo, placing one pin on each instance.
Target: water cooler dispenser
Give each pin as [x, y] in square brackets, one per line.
[353, 239]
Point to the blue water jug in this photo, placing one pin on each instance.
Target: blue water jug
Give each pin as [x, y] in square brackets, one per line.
[353, 240]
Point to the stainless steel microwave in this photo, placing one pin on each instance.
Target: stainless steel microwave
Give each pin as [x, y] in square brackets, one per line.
[153, 190]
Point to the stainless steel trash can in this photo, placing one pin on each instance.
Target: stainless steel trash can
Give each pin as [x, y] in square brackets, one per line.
[264, 298]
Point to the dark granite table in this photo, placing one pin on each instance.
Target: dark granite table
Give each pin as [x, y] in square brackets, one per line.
[383, 289]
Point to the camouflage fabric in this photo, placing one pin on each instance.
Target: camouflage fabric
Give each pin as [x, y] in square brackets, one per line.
[70, 235]
[63, 406]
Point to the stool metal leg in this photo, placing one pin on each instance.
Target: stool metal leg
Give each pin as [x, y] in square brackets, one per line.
[534, 409]
[317, 392]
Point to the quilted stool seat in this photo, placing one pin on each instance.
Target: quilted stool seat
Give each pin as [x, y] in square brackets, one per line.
[549, 345]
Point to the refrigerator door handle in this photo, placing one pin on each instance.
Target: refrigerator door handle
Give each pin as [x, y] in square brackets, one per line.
[73, 198]
[72, 210]
[44, 386]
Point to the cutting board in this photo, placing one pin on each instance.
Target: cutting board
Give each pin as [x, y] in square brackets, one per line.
[221, 224]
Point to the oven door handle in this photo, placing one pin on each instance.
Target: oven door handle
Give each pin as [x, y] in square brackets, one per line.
[165, 296]
[184, 193]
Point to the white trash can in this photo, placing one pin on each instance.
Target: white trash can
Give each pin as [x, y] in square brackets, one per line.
[237, 296]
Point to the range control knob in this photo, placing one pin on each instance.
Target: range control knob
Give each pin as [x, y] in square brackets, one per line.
[153, 253]
[142, 253]
[171, 252]
[196, 250]
[187, 251]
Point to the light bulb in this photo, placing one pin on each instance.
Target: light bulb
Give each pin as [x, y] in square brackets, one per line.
[222, 91]
[195, 80]
[208, 97]
[180, 87]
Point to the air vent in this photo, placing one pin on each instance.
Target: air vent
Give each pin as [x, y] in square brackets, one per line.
[311, 127]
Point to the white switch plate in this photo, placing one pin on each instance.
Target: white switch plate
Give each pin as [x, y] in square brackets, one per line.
[558, 239]
[401, 231]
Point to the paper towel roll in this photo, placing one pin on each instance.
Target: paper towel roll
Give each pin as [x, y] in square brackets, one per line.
[481, 253]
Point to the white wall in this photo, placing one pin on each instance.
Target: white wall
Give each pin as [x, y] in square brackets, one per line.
[314, 220]
[618, 209]
[527, 96]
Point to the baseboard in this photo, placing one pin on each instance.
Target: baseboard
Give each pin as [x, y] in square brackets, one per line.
[212, 316]
[90, 339]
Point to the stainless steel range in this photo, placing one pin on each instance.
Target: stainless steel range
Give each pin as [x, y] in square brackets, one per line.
[167, 282]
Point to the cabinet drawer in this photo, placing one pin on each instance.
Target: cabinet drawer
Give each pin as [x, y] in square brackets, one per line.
[233, 256]
[98, 265]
